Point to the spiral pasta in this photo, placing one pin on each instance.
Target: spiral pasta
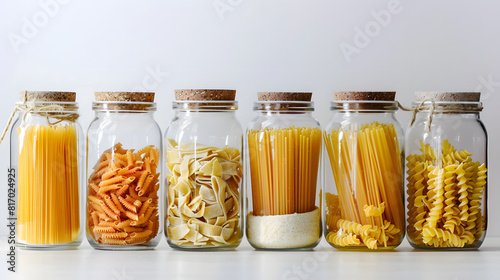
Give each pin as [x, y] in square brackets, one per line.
[444, 197]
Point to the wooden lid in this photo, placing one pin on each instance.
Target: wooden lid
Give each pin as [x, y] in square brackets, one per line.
[205, 94]
[364, 95]
[448, 96]
[58, 96]
[284, 96]
[125, 96]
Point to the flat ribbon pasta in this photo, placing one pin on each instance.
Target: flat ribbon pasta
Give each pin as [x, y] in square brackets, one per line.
[203, 194]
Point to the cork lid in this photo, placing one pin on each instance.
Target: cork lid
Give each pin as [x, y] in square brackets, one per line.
[448, 96]
[205, 94]
[125, 101]
[58, 96]
[364, 95]
[284, 96]
[125, 96]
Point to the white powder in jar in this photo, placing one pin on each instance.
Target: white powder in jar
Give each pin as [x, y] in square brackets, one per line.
[284, 231]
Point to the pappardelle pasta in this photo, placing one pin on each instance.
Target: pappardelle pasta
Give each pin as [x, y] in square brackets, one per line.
[445, 193]
[122, 203]
[203, 195]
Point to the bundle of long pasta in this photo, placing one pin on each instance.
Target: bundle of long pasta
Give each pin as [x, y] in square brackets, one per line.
[445, 192]
[48, 185]
[284, 167]
[203, 195]
[122, 201]
[366, 164]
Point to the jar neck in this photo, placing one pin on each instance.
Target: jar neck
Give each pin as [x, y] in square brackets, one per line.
[47, 112]
[283, 107]
[365, 106]
[204, 106]
[123, 107]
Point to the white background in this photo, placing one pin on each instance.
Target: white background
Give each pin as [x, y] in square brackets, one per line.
[252, 46]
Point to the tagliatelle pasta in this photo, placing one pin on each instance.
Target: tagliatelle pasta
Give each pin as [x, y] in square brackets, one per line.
[203, 194]
[445, 192]
[122, 209]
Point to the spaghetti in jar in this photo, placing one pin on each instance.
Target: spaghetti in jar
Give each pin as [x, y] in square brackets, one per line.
[284, 151]
[124, 172]
[47, 166]
[447, 148]
[363, 194]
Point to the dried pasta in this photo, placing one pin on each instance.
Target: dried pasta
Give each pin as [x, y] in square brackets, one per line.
[48, 185]
[445, 192]
[120, 206]
[203, 195]
[284, 168]
[368, 174]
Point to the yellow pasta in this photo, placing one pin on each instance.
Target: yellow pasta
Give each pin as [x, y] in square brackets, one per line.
[48, 205]
[115, 203]
[368, 174]
[445, 195]
[203, 195]
[284, 168]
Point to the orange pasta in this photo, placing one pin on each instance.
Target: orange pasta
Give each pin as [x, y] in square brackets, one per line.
[114, 216]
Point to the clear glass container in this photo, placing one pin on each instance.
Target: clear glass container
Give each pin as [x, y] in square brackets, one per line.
[283, 195]
[363, 191]
[47, 165]
[447, 148]
[203, 145]
[124, 182]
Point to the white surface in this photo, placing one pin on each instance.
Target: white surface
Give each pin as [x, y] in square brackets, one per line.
[257, 45]
[245, 263]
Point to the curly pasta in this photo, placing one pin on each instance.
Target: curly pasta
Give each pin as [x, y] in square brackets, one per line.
[116, 211]
[368, 174]
[445, 196]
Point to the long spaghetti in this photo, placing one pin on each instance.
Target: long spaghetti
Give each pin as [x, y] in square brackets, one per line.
[48, 211]
[366, 164]
[284, 168]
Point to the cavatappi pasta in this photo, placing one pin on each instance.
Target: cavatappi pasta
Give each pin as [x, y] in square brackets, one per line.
[284, 170]
[48, 210]
[203, 195]
[122, 203]
[445, 192]
[368, 210]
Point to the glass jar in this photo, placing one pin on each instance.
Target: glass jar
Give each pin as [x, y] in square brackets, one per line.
[447, 149]
[47, 163]
[203, 145]
[364, 201]
[124, 180]
[284, 148]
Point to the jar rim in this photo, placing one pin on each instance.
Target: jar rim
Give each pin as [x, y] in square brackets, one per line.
[205, 105]
[364, 105]
[68, 106]
[283, 106]
[449, 106]
[123, 106]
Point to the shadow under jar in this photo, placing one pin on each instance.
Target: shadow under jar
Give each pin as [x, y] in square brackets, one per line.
[47, 154]
[363, 193]
[124, 145]
[284, 147]
[447, 148]
[203, 145]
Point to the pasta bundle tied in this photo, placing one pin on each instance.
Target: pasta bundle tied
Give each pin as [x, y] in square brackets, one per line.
[203, 195]
[122, 204]
[368, 210]
[48, 211]
[284, 169]
[445, 192]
